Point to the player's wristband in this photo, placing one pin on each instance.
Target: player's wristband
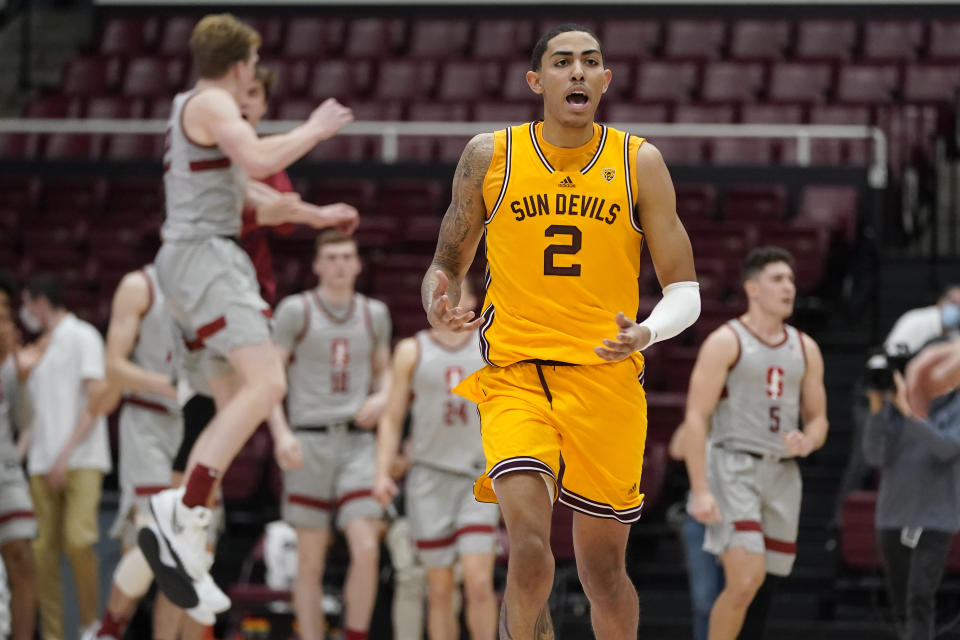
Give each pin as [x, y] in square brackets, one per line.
[678, 309]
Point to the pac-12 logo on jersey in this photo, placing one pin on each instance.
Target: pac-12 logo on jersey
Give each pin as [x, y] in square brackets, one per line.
[453, 377]
[774, 388]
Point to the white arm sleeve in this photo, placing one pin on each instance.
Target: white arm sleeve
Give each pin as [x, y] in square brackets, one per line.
[678, 309]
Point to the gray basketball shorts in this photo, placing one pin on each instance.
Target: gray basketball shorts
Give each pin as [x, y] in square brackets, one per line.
[759, 502]
[446, 519]
[212, 292]
[17, 519]
[337, 477]
[149, 441]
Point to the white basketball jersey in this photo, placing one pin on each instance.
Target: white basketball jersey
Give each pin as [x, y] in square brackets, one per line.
[761, 399]
[445, 427]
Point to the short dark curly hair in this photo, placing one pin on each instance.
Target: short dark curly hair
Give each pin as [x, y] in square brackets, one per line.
[536, 58]
[760, 257]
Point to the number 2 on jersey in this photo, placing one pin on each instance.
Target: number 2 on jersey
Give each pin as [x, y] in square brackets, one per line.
[576, 242]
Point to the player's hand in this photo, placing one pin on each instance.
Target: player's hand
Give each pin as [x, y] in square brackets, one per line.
[340, 215]
[384, 489]
[703, 508]
[932, 373]
[798, 445]
[631, 337]
[28, 357]
[288, 452]
[442, 315]
[57, 476]
[367, 416]
[327, 119]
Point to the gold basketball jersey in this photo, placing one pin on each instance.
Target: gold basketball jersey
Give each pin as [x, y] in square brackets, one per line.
[563, 245]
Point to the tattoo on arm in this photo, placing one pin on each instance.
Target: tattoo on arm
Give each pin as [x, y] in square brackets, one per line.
[460, 222]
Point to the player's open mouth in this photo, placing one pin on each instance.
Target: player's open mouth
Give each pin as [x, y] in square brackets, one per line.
[578, 100]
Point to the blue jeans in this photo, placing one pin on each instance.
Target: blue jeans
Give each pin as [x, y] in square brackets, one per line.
[705, 575]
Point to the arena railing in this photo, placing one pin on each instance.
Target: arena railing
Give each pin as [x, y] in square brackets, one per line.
[390, 132]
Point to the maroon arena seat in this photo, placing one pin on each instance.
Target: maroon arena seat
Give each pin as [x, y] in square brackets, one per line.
[839, 114]
[892, 39]
[52, 107]
[158, 108]
[509, 112]
[17, 146]
[755, 203]
[664, 414]
[134, 194]
[460, 80]
[799, 82]
[270, 29]
[450, 148]
[714, 277]
[377, 231]
[405, 80]
[501, 39]
[759, 39]
[752, 151]
[89, 76]
[931, 83]
[113, 107]
[858, 536]
[732, 81]
[290, 76]
[831, 207]
[128, 146]
[771, 113]
[309, 37]
[833, 151]
[622, 112]
[808, 247]
[438, 39]
[148, 77]
[681, 151]
[416, 197]
[175, 40]
[696, 39]
[630, 39]
[679, 362]
[339, 79]
[127, 36]
[359, 193]
[944, 40]
[655, 462]
[443, 111]
[704, 113]
[71, 146]
[377, 110]
[373, 38]
[416, 149]
[343, 148]
[696, 201]
[667, 81]
[825, 39]
[513, 83]
[867, 83]
[546, 25]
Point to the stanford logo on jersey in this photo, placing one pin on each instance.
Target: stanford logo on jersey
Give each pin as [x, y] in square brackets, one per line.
[453, 377]
[775, 383]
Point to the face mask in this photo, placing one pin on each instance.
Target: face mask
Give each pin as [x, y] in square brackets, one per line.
[30, 321]
[950, 317]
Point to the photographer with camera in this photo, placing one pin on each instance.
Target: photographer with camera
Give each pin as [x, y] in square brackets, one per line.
[918, 506]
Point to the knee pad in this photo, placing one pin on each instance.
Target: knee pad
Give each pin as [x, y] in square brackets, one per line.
[133, 575]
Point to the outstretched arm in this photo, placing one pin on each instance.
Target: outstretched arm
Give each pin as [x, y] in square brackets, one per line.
[213, 117]
[460, 234]
[275, 208]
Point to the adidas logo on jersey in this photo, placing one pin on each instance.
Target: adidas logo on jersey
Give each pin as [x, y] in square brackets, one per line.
[567, 182]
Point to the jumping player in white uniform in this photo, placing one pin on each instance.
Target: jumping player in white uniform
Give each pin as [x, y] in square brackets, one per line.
[446, 456]
[337, 343]
[749, 489]
[18, 524]
[209, 282]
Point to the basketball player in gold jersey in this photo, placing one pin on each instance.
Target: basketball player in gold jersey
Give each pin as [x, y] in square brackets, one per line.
[564, 205]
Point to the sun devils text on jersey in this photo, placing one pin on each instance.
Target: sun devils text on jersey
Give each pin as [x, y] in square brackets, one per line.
[563, 245]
